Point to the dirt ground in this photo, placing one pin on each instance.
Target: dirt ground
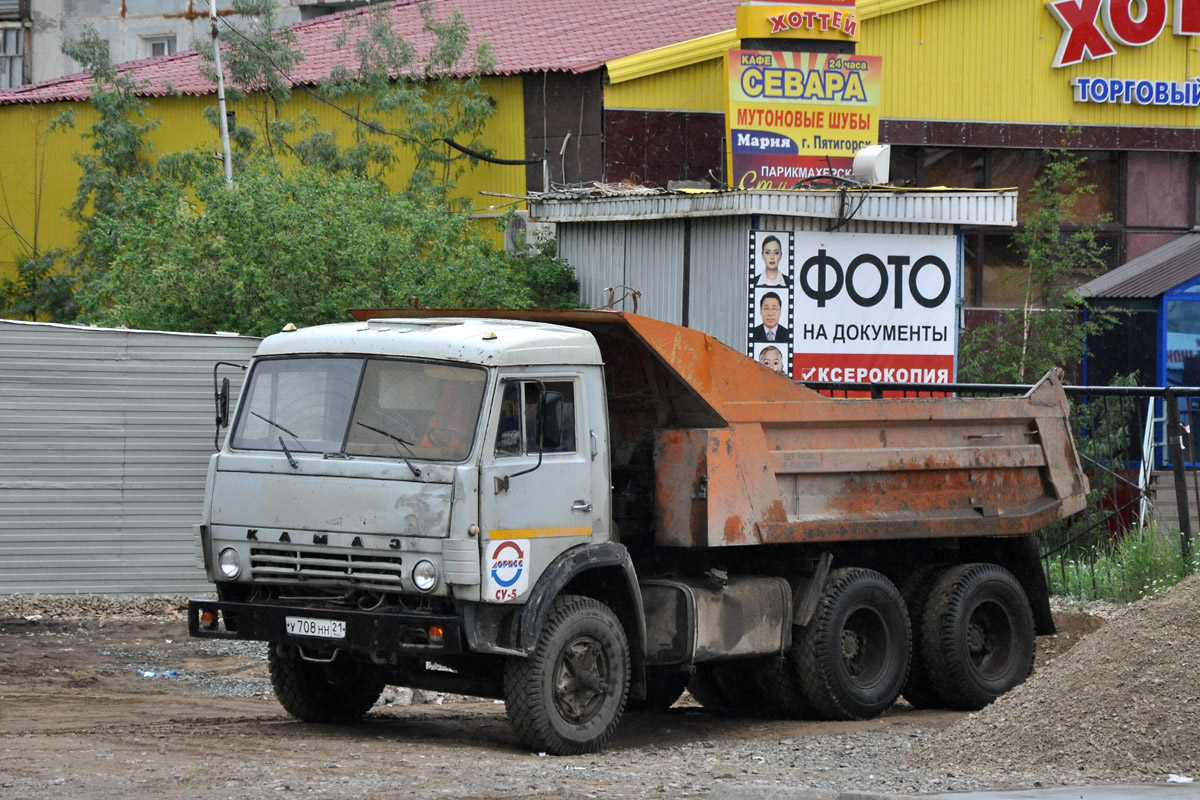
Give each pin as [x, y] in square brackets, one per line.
[133, 708]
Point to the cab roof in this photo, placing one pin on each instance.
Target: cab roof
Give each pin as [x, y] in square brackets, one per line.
[489, 342]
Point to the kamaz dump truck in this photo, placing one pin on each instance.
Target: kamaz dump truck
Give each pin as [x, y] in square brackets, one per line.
[576, 511]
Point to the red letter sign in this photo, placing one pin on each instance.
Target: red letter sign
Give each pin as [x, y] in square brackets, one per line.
[1187, 18]
[1135, 32]
[1081, 38]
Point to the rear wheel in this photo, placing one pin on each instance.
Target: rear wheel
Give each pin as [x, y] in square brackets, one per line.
[978, 635]
[739, 681]
[341, 690]
[707, 690]
[919, 689]
[853, 656]
[566, 698]
[780, 686]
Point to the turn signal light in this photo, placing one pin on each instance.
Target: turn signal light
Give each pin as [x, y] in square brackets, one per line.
[208, 619]
[436, 633]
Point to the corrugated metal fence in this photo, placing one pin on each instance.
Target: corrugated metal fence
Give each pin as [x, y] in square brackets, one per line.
[105, 437]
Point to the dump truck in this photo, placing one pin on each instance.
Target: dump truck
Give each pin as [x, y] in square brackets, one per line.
[580, 511]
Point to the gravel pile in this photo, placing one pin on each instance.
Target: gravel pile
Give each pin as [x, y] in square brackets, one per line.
[91, 606]
[1122, 705]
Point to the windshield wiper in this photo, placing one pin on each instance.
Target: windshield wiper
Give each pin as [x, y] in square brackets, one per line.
[403, 442]
[291, 459]
[275, 424]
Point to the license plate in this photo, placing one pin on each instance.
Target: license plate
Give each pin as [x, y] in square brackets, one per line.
[319, 628]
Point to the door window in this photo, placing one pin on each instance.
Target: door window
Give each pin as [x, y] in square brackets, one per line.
[523, 432]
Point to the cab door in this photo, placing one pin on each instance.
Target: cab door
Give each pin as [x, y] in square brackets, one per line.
[540, 493]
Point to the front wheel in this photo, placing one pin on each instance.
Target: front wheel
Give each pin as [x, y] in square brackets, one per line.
[341, 690]
[566, 697]
[853, 656]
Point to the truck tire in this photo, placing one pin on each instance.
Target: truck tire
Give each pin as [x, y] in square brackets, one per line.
[780, 686]
[739, 685]
[977, 635]
[729, 687]
[706, 690]
[567, 696]
[852, 657]
[919, 689]
[339, 691]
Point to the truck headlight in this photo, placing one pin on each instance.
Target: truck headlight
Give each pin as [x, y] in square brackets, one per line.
[230, 563]
[424, 576]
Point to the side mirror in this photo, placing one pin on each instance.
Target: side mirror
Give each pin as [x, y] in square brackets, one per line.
[221, 399]
[223, 404]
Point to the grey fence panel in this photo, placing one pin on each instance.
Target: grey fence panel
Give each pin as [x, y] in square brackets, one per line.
[105, 436]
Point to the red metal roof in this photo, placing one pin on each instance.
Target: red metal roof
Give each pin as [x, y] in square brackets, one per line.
[526, 36]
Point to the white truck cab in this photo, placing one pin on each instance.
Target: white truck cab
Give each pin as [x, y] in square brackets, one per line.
[404, 456]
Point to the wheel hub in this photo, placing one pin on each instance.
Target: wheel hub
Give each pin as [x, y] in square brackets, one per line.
[581, 680]
[977, 643]
[852, 647]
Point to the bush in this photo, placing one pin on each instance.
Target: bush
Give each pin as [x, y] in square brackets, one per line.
[1136, 565]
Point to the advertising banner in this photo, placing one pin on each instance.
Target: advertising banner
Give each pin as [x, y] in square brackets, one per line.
[871, 307]
[769, 300]
[792, 116]
[822, 19]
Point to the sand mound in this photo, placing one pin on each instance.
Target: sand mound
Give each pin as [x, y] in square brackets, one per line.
[1123, 704]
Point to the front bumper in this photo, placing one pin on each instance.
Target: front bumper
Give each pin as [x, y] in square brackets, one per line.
[401, 632]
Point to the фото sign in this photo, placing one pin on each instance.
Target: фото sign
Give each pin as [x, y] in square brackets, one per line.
[791, 116]
[873, 307]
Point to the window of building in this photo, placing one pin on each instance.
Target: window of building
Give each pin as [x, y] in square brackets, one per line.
[903, 167]
[12, 57]
[1101, 169]
[160, 45]
[958, 167]
[995, 274]
[1014, 169]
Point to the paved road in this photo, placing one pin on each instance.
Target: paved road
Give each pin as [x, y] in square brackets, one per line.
[1140, 791]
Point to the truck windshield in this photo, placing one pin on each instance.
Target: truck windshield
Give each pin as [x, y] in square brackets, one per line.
[382, 407]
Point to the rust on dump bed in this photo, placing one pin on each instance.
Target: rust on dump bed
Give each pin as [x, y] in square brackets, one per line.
[738, 454]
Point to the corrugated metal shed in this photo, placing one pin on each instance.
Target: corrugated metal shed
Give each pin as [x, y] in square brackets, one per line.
[994, 207]
[685, 254]
[106, 436]
[1151, 275]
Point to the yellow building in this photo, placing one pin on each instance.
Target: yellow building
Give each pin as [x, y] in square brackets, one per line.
[972, 92]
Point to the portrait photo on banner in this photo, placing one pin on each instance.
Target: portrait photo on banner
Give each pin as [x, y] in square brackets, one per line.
[774, 356]
[773, 258]
[770, 258]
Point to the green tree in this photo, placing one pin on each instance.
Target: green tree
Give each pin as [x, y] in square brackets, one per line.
[165, 243]
[117, 179]
[41, 292]
[1049, 329]
[304, 246]
[396, 96]
[259, 59]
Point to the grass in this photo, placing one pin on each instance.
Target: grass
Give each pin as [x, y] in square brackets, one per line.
[1135, 566]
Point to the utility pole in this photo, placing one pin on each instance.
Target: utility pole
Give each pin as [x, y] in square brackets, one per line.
[224, 123]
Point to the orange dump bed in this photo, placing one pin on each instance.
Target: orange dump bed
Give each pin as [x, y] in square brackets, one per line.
[728, 452]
